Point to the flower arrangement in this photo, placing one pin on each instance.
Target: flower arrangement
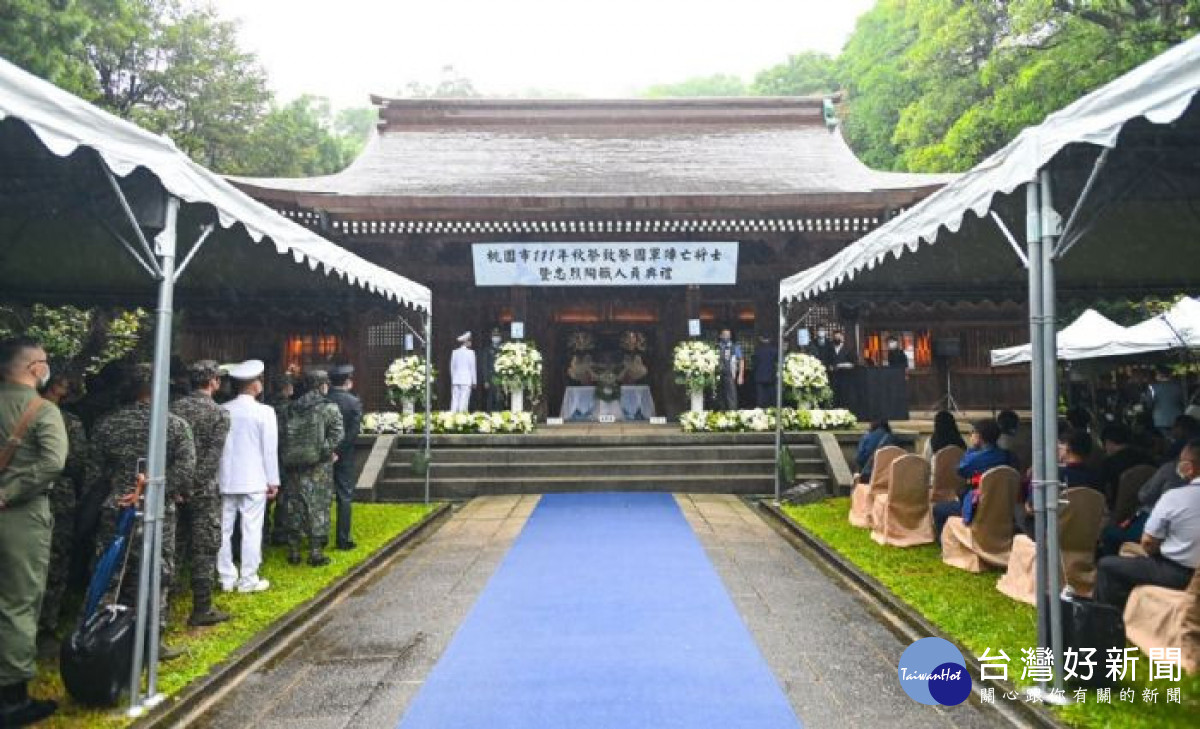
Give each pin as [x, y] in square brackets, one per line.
[581, 342]
[519, 367]
[633, 341]
[445, 422]
[695, 365]
[405, 378]
[761, 421]
[806, 379]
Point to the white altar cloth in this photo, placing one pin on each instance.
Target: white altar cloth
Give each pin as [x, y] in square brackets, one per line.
[579, 403]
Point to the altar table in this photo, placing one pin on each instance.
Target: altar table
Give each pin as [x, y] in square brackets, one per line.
[580, 403]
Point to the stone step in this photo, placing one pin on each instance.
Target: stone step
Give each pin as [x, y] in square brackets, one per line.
[583, 468]
[547, 437]
[609, 454]
[410, 489]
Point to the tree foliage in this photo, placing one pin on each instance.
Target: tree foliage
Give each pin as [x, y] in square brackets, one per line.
[934, 85]
[174, 67]
[802, 74]
[76, 340]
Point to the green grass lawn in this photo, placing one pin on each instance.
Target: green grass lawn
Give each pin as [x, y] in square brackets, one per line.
[968, 608]
[374, 526]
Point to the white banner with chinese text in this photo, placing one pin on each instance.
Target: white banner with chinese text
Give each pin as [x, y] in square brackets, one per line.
[604, 264]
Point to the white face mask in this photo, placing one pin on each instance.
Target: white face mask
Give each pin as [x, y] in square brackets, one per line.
[495, 340]
[45, 379]
[893, 345]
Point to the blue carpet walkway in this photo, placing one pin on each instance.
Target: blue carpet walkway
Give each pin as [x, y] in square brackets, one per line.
[606, 614]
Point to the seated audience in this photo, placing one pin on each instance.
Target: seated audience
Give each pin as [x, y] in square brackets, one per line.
[878, 436]
[983, 455]
[1185, 429]
[1120, 456]
[1171, 538]
[945, 433]
[1015, 439]
[1074, 450]
[1163, 480]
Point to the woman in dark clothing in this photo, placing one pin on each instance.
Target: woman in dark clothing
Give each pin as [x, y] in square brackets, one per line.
[945, 433]
[878, 436]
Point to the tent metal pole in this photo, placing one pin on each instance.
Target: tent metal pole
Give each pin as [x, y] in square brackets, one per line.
[133, 221]
[1069, 228]
[1033, 235]
[1050, 232]
[428, 415]
[148, 608]
[204, 233]
[783, 309]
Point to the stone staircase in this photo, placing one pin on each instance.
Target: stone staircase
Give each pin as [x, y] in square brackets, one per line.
[465, 466]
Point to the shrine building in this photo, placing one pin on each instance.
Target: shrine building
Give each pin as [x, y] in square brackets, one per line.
[589, 219]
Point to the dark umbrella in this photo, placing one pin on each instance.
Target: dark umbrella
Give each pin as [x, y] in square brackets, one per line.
[108, 562]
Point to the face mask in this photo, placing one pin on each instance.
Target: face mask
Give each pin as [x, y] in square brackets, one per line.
[725, 340]
[495, 340]
[893, 345]
[45, 379]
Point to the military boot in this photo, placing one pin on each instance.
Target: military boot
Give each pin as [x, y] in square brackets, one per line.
[317, 558]
[17, 709]
[203, 612]
[294, 552]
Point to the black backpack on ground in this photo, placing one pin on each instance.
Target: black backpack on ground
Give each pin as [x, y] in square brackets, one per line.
[95, 659]
[1091, 624]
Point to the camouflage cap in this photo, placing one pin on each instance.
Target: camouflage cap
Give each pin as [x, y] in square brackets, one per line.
[204, 369]
[315, 378]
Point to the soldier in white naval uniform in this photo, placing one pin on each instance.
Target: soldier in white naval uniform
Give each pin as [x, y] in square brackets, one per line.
[462, 375]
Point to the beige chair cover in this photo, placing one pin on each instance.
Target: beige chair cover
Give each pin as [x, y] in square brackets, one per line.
[1079, 524]
[902, 517]
[986, 542]
[1132, 549]
[946, 481]
[1159, 617]
[1126, 503]
[863, 495]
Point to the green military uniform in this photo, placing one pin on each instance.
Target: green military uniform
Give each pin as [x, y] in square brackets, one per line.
[117, 442]
[25, 527]
[199, 522]
[309, 489]
[63, 499]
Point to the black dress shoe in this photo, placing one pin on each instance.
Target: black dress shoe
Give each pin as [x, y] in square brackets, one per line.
[317, 559]
[29, 711]
[347, 546]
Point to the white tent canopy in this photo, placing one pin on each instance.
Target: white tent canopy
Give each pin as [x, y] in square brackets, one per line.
[78, 185]
[1089, 336]
[1177, 328]
[1093, 335]
[1155, 180]
[1120, 166]
[65, 125]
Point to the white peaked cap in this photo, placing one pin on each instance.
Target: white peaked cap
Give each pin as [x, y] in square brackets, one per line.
[464, 337]
[249, 370]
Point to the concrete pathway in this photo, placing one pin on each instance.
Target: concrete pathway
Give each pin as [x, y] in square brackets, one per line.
[361, 669]
[834, 659]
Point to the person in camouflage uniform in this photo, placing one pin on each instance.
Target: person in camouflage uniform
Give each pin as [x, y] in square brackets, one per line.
[118, 441]
[278, 530]
[199, 513]
[64, 494]
[309, 488]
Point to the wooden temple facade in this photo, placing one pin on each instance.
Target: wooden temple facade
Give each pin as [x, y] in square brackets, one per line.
[772, 175]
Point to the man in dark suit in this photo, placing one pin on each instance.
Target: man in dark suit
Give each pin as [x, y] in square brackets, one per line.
[896, 356]
[841, 355]
[341, 381]
[766, 357]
